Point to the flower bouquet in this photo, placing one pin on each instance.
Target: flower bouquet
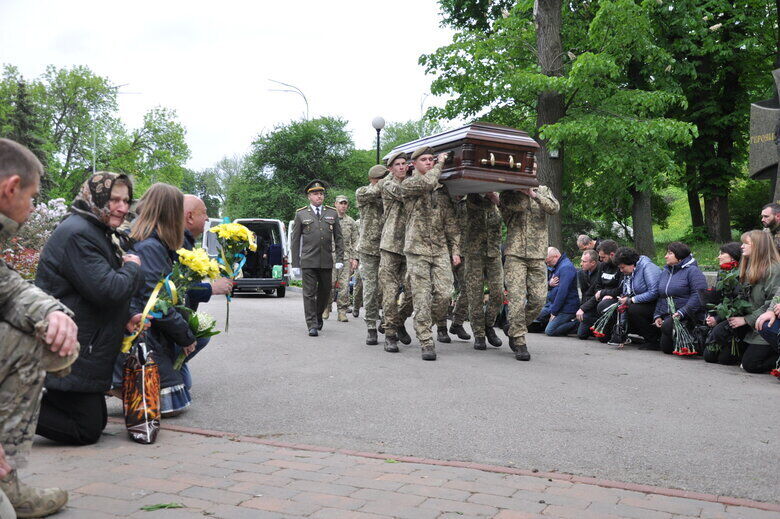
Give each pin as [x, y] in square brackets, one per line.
[600, 326]
[234, 239]
[202, 325]
[684, 344]
[733, 302]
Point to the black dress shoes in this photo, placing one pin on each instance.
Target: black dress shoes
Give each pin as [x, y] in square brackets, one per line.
[313, 332]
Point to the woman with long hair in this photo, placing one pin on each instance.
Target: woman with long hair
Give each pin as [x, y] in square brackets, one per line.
[159, 233]
[759, 277]
[82, 266]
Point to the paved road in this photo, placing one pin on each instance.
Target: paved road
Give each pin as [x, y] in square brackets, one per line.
[580, 408]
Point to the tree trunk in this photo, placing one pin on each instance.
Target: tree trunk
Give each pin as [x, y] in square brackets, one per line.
[697, 217]
[642, 220]
[551, 108]
[716, 208]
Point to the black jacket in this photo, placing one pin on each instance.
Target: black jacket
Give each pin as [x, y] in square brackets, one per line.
[79, 267]
[170, 329]
[608, 281]
[586, 280]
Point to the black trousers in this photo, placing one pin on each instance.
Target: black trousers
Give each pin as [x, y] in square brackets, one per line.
[583, 330]
[316, 294]
[759, 358]
[640, 321]
[72, 418]
[722, 334]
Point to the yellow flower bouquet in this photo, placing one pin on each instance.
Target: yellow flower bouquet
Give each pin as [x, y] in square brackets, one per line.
[234, 240]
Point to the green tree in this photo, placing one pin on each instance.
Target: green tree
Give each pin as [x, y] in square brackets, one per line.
[395, 134]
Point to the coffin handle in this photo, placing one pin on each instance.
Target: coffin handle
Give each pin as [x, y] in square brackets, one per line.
[511, 161]
[492, 160]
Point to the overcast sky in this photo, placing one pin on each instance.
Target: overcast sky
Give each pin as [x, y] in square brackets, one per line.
[211, 61]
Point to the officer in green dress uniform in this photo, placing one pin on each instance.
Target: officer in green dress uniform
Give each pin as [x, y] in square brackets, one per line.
[315, 231]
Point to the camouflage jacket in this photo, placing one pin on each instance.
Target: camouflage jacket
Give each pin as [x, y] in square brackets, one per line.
[394, 229]
[350, 235]
[526, 222]
[22, 304]
[432, 227]
[482, 236]
[369, 203]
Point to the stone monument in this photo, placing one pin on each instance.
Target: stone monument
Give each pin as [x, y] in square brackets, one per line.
[765, 139]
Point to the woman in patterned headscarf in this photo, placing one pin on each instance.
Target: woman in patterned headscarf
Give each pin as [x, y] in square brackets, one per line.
[83, 266]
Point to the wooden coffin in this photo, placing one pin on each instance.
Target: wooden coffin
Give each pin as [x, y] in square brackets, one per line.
[482, 157]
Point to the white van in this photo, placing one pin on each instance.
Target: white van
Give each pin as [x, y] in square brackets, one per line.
[273, 250]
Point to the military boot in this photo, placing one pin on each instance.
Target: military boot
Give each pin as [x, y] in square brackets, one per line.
[391, 343]
[492, 338]
[513, 344]
[479, 343]
[403, 335]
[326, 313]
[343, 316]
[460, 331]
[356, 312]
[442, 335]
[522, 352]
[29, 501]
[371, 338]
[428, 352]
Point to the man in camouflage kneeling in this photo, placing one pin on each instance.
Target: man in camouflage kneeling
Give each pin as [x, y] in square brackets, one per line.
[37, 335]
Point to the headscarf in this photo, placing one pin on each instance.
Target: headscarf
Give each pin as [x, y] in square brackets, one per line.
[92, 202]
[95, 194]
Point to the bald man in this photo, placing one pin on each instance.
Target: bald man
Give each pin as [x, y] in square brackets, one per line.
[195, 217]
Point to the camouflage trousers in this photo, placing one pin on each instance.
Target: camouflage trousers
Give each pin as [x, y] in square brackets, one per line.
[481, 269]
[431, 278]
[392, 277]
[21, 382]
[369, 273]
[357, 291]
[461, 309]
[526, 285]
[340, 285]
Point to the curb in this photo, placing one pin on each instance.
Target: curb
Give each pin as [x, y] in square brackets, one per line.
[606, 483]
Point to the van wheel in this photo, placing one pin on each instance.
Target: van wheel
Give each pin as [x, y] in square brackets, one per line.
[281, 291]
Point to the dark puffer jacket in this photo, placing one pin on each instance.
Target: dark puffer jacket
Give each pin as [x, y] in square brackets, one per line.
[79, 267]
[609, 281]
[681, 282]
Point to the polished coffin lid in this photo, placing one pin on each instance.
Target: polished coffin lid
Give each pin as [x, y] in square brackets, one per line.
[482, 157]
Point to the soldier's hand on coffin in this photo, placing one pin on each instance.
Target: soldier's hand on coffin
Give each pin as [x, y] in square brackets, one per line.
[493, 197]
[5, 468]
[455, 260]
[61, 333]
[339, 266]
[354, 264]
[441, 158]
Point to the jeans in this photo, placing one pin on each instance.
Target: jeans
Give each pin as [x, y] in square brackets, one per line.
[583, 328]
[561, 325]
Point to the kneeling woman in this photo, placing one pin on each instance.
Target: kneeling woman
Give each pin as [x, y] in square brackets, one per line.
[159, 233]
[82, 267]
[759, 273]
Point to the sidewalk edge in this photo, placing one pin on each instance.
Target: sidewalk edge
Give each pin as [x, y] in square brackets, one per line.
[606, 483]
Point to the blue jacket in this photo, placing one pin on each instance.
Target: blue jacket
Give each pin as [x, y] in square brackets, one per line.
[566, 300]
[643, 283]
[682, 282]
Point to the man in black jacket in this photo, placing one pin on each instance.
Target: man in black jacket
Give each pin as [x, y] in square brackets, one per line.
[607, 286]
[586, 279]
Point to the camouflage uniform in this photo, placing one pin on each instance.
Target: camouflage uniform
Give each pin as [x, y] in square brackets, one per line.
[526, 247]
[23, 357]
[482, 249]
[461, 308]
[369, 202]
[392, 263]
[431, 217]
[349, 234]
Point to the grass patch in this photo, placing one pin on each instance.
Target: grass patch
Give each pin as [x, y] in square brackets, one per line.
[706, 254]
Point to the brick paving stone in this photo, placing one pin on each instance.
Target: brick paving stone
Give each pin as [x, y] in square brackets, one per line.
[406, 478]
[478, 486]
[741, 512]
[322, 488]
[673, 505]
[263, 479]
[368, 482]
[329, 500]
[387, 508]
[296, 465]
[154, 498]
[553, 499]
[334, 513]
[237, 512]
[284, 506]
[445, 505]
[257, 490]
[440, 492]
[513, 514]
[202, 481]
[292, 453]
[106, 490]
[511, 503]
[216, 495]
[119, 507]
[525, 482]
[383, 496]
[159, 485]
[172, 513]
[595, 493]
[628, 511]
[562, 512]
[247, 467]
[306, 475]
[198, 468]
[72, 513]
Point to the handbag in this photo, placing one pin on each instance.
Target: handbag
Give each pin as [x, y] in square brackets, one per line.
[141, 395]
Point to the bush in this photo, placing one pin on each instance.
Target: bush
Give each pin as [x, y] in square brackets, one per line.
[23, 250]
[745, 201]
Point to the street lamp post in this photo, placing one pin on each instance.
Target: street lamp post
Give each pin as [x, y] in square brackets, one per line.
[378, 123]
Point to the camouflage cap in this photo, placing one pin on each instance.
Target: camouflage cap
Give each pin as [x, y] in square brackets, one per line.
[395, 156]
[342, 198]
[378, 171]
[422, 150]
[315, 185]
